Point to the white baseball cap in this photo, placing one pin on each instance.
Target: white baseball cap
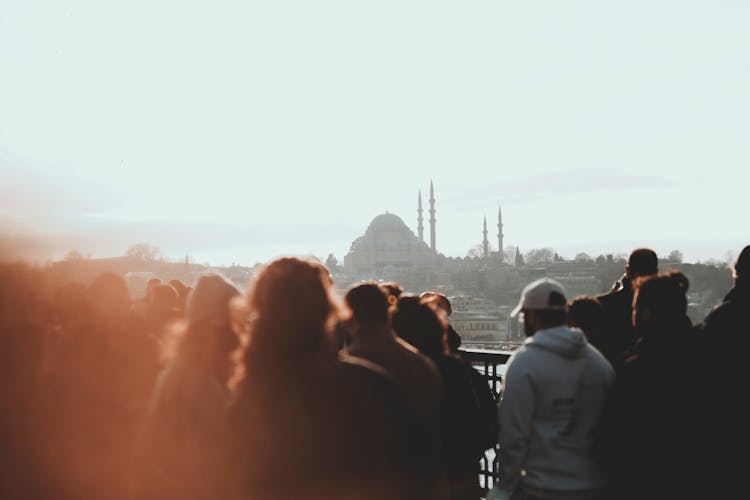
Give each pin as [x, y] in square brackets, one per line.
[543, 293]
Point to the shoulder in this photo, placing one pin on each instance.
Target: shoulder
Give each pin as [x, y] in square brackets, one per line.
[719, 315]
[356, 365]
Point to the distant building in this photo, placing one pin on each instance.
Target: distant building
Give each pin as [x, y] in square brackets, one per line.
[387, 245]
[476, 320]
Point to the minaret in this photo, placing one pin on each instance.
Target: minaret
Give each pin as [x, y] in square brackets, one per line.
[500, 233]
[420, 220]
[485, 242]
[432, 218]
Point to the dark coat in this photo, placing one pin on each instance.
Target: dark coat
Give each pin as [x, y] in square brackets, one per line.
[328, 431]
[725, 339]
[617, 338]
[651, 424]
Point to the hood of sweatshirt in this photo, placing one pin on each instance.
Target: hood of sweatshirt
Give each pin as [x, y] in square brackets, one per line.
[562, 340]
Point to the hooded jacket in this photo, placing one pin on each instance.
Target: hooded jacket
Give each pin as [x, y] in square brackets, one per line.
[554, 393]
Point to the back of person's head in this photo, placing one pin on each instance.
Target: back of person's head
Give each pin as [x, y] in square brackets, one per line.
[544, 305]
[206, 337]
[292, 305]
[742, 264]
[642, 262]
[164, 299]
[440, 301]
[150, 285]
[420, 324]
[586, 312]
[368, 303]
[109, 296]
[182, 291]
[210, 300]
[392, 291]
[661, 300]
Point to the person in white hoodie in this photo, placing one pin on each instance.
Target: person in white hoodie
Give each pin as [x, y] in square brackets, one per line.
[554, 392]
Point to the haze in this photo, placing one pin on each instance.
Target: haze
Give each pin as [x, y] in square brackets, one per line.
[239, 131]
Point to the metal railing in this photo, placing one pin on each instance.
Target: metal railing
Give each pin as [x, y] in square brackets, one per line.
[490, 364]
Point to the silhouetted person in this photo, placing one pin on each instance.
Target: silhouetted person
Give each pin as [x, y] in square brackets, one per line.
[164, 310]
[373, 340]
[181, 448]
[654, 430]
[24, 468]
[467, 433]
[308, 423]
[142, 305]
[101, 373]
[442, 303]
[392, 290]
[587, 314]
[618, 302]
[183, 291]
[725, 335]
[554, 393]
[485, 396]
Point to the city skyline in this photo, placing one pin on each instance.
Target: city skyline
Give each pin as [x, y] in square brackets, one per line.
[253, 131]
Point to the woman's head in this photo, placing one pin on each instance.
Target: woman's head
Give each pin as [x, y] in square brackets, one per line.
[291, 306]
[422, 324]
[207, 337]
[660, 301]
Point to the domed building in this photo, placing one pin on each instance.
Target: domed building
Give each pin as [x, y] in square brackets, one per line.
[387, 244]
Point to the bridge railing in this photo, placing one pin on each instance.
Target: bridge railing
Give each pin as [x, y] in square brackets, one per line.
[491, 364]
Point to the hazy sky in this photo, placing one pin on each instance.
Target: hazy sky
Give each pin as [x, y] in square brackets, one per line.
[239, 131]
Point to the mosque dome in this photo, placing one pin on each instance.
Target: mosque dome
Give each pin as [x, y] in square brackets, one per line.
[388, 241]
[388, 222]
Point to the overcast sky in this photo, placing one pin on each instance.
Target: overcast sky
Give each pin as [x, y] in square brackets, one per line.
[240, 131]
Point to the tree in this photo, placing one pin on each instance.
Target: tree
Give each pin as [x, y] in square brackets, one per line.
[675, 256]
[474, 251]
[583, 257]
[332, 263]
[143, 251]
[509, 255]
[518, 261]
[75, 255]
[540, 256]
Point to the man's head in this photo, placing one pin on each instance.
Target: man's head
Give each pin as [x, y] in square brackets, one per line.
[742, 265]
[368, 304]
[586, 313]
[642, 262]
[660, 301]
[543, 305]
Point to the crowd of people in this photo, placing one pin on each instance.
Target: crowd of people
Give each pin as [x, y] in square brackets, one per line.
[284, 391]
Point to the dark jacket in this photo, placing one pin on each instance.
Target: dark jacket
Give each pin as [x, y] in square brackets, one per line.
[468, 431]
[618, 336]
[328, 431]
[652, 426]
[725, 343]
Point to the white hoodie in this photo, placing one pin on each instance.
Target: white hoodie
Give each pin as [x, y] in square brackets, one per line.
[554, 392]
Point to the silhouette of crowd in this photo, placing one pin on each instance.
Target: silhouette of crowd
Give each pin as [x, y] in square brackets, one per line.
[283, 390]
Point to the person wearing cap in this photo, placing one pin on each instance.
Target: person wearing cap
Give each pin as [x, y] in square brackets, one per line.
[181, 440]
[553, 396]
[618, 303]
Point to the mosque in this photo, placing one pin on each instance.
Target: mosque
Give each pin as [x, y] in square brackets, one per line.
[390, 245]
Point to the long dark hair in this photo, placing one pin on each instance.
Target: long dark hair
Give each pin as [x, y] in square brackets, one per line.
[292, 311]
[420, 323]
